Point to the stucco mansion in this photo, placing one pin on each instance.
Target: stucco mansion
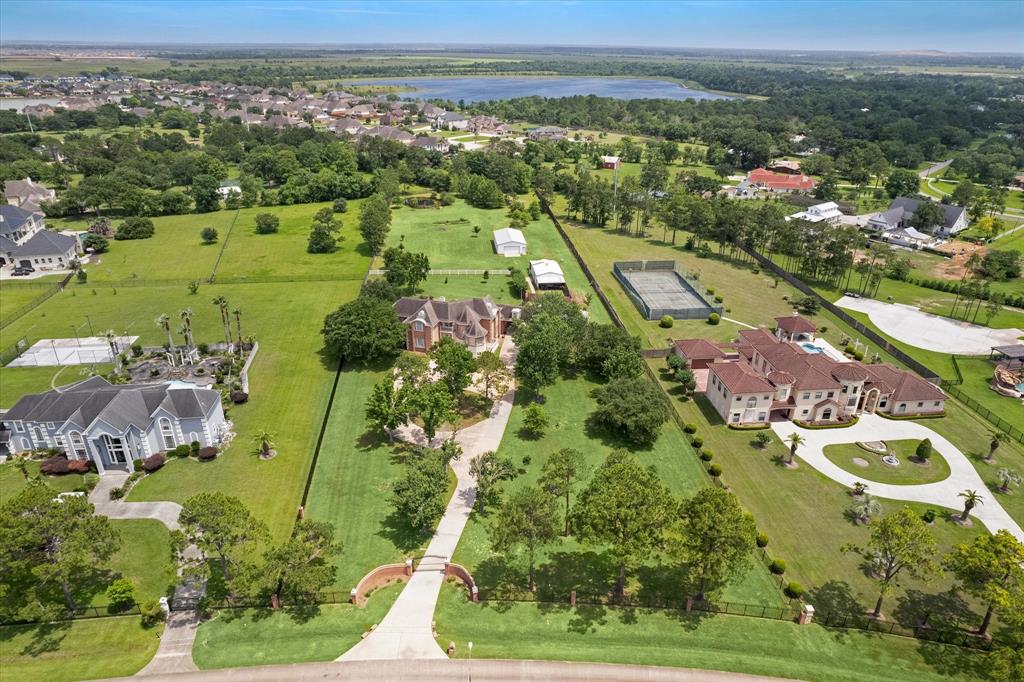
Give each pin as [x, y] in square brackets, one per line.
[765, 376]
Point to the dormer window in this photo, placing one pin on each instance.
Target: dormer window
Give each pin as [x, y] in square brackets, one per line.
[418, 326]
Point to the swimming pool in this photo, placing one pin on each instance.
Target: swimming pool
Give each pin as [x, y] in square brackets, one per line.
[811, 348]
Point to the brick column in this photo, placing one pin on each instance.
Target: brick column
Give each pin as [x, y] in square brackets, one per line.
[806, 615]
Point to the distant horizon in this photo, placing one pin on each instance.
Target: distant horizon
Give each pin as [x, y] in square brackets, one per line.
[868, 26]
[379, 46]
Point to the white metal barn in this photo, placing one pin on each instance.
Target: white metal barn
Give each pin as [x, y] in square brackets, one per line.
[509, 242]
[546, 274]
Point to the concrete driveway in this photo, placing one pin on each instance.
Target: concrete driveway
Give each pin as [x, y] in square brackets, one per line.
[931, 332]
[962, 474]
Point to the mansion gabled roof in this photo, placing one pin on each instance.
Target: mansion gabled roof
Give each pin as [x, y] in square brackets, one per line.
[120, 406]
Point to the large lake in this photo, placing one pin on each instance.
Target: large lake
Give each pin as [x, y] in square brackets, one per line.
[483, 89]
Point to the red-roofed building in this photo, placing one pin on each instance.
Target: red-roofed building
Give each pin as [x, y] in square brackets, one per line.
[779, 182]
[773, 377]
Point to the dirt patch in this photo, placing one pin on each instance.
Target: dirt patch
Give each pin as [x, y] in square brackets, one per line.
[861, 462]
[955, 267]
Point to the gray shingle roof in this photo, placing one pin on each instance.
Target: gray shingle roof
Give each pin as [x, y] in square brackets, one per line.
[44, 243]
[12, 218]
[120, 406]
[951, 213]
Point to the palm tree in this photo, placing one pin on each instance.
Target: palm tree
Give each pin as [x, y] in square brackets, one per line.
[164, 322]
[186, 326]
[237, 312]
[265, 441]
[795, 440]
[1007, 478]
[865, 508]
[971, 500]
[225, 318]
[996, 439]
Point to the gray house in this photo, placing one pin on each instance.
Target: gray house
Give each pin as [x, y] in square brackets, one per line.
[902, 209]
[113, 425]
[25, 241]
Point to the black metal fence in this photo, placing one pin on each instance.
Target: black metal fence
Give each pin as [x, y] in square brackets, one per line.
[704, 308]
[82, 613]
[955, 636]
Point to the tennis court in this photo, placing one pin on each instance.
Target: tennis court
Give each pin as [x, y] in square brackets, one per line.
[658, 289]
[85, 350]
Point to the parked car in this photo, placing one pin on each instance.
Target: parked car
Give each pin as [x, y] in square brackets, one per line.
[21, 271]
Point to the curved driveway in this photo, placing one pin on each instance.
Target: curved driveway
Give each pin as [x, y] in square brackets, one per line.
[962, 474]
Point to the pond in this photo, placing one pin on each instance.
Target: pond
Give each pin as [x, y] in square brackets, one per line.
[481, 89]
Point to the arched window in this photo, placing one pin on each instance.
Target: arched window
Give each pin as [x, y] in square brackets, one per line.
[77, 444]
[193, 437]
[26, 444]
[37, 433]
[167, 433]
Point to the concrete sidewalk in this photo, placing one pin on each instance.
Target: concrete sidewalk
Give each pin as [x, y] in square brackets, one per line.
[164, 512]
[871, 427]
[406, 632]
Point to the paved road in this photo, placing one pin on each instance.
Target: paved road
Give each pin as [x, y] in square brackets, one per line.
[931, 170]
[962, 474]
[165, 512]
[448, 670]
[406, 632]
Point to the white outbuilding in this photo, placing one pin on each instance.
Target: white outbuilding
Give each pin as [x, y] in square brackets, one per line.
[546, 274]
[509, 242]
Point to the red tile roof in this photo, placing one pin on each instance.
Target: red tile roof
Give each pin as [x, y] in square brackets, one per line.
[699, 349]
[794, 324]
[780, 181]
[738, 377]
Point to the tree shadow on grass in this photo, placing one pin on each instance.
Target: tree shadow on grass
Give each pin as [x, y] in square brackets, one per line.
[594, 430]
[46, 637]
[832, 600]
[946, 610]
[395, 529]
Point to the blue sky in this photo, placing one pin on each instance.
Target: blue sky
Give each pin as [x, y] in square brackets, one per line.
[959, 26]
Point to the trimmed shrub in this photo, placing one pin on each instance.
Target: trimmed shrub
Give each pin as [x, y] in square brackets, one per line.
[154, 462]
[137, 464]
[762, 540]
[204, 349]
[711, 291]
[136, 350]
[719, 299]
[666, 322]
[193, 448]
[121, 594]
[91, 481]
[239, 397]
[267, 223]
[858, 355]
[690, 428]
[151, 613]
[208, 235]
[207, 453]
[924, 450]
[707, 455]
[794, 590]
[714, 318]
[116, 493]
[777, 566]
[54, 466]
[928, 516]
[715, 470]
[697, 441]
[180, 451]
[78, 466]
[340, 205]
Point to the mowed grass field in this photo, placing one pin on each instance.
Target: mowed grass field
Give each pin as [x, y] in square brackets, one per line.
[352, 483]
[15, 295]
[566, 565]
[76, 650]
[244, 637]
[668, 638]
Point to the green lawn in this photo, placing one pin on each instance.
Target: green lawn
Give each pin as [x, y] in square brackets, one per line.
[246, 637]
[144, 558]
[668, 638]
[566, 565]
[12, 480]
[283, 254]
[76, 650]
[805, 516]
[352, 484]
[175, 251]
[909, 472]
[14, 295]
[290, 380]
[455, 287]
